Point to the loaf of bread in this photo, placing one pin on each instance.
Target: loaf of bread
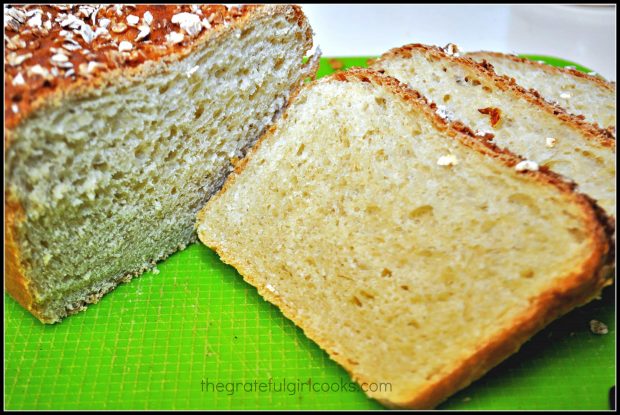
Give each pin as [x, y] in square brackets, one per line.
[121, 121]
[416, 254]
[500, 110]
[579, 93]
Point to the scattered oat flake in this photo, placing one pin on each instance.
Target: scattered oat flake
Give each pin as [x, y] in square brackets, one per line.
[35, 21]
[132, 20]
[94, 65]
[15, 42]
[71, 46]
[14, 59]
[87, 33]
[598, 327]
[60, 57]
[192, 70]
[18, 80]
[449, 160]
[148, 17]
[156, 271]
[104, 23]
[144, 32]
[451, 49]
[550, 142]
[189, 22]
[444, 112]
[174, 37]
[39, 70]
[102, 31]
[125, 46]
[527, 165]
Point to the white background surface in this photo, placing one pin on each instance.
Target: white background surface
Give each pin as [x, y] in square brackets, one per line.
[583, 34]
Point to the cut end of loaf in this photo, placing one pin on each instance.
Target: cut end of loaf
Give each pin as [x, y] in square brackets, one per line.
[105, 183]
[408, 271]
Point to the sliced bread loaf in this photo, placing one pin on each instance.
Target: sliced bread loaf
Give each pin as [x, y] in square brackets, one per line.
[417, 255]
[577, 92]
[121, 121]
[497, 108]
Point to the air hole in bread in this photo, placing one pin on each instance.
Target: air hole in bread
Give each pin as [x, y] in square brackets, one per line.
[164, 88]
[278, 64]
[300, 150]
[367, 295]
[527, 273]
[386, 273]
[421, 211]
[524, 200]
[414, 323]
[577, 234]
[199, 111]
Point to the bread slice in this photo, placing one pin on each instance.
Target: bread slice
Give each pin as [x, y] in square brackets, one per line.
[577, 92]
[415, 254]
[113, 143]
[499, 109]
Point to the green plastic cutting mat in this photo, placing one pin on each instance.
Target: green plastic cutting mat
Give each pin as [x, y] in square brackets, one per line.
[165, 341]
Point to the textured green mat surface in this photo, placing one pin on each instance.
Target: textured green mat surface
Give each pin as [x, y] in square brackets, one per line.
[165, 341]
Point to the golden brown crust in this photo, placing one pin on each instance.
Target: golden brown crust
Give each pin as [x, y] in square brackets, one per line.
[57, 46]
[572, 291]
[589, 131]
[36, 97]
[553, 70]
[15, 281]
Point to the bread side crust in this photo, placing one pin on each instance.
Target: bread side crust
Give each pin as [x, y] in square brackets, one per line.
[573, 290]
[16, 280]
[591, 132]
